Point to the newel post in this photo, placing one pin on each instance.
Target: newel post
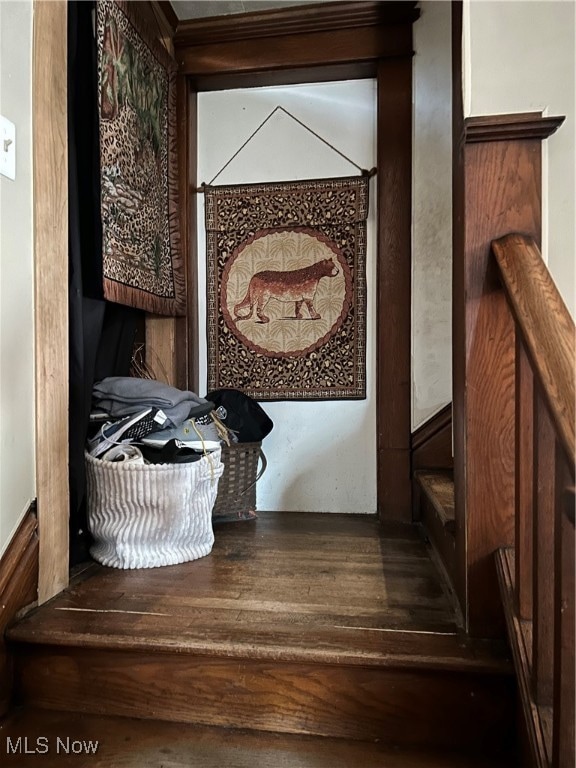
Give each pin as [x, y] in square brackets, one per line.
[498, 192]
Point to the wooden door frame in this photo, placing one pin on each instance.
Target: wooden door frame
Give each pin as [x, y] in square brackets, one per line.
[50, 169]
[322, 43]
[359, 39]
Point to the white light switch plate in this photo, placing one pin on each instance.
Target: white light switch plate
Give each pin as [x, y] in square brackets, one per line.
[7, 148]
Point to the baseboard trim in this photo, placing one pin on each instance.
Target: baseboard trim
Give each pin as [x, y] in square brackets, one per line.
[431, 443]
[18, 591]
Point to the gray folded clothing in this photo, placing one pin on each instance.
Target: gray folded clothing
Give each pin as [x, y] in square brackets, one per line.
[124, 395]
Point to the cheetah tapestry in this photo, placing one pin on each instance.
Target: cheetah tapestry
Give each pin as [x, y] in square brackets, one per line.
[286, 289]
[141, 243]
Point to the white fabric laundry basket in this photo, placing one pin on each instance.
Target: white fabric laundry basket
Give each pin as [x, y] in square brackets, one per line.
[148, 515]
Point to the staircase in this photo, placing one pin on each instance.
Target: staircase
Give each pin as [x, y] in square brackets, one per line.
[296, 643]
[437, 513]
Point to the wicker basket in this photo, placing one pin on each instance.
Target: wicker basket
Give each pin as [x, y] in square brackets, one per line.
[236, 499]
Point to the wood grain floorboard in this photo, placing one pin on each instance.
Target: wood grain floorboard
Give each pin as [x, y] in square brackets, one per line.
[330, 588]
[130, 743]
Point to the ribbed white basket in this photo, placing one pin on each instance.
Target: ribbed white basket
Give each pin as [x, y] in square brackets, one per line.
[145, 516]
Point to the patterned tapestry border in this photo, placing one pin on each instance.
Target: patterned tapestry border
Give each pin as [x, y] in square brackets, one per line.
[286, 288]
[142, 261]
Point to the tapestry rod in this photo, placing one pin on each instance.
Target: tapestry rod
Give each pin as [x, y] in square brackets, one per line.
[202, 188]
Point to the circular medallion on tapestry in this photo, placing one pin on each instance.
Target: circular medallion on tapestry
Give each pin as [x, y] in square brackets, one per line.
[285, 292]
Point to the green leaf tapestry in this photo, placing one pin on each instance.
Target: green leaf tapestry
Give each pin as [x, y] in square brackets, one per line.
[142, 261]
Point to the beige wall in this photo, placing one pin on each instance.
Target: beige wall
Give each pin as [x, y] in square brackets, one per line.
[17, 467]
[432, 218]
[320, 454]
[519, 57]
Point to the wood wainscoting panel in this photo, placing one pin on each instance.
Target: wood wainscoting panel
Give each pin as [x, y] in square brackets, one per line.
[502, 194]
[18, 589]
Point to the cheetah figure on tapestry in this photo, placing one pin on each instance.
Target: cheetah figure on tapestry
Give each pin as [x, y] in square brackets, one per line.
[294, 285]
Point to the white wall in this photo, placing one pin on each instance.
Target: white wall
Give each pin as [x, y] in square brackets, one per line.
[321, 455]
[17, 441]
[519, 57]
[432, 213]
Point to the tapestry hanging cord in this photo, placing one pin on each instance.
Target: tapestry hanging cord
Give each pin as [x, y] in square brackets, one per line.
[363, 171]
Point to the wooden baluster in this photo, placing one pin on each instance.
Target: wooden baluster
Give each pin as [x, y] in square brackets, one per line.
[524, 480]
[543, 549]
[564, 672]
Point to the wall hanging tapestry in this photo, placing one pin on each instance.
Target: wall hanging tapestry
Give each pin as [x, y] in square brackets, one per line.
[139, 175]
[286, 288]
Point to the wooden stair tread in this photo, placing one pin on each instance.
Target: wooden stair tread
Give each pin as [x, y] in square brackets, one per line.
[439, 489]
[135, 743]
[291, 587]
[385, 648]
[293, 624]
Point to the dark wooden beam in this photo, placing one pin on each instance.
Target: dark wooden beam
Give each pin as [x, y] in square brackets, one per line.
[321, 17]
[284, 52]
[394, 272]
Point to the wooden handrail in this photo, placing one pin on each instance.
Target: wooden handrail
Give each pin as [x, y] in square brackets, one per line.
[537, 575]
[547, 328]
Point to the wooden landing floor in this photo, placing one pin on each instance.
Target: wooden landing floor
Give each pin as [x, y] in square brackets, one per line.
[298, 586]
[66, 739]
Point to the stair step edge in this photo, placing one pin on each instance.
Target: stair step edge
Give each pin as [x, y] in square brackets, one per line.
[421, 651]
[438, 487]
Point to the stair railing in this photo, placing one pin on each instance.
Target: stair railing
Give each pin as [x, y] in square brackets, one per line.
[537, 576]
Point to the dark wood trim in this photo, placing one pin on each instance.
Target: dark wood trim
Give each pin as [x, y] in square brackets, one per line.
[281, 22]
[192, 208]
[430, 428]
[431, 444]
[547, 329]
[355, 70]
[18, 589]
[522, 125]
[394, 201]
[336, 48]
[458, 303]
[394, 275]
[181, 324]
[169, 15]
